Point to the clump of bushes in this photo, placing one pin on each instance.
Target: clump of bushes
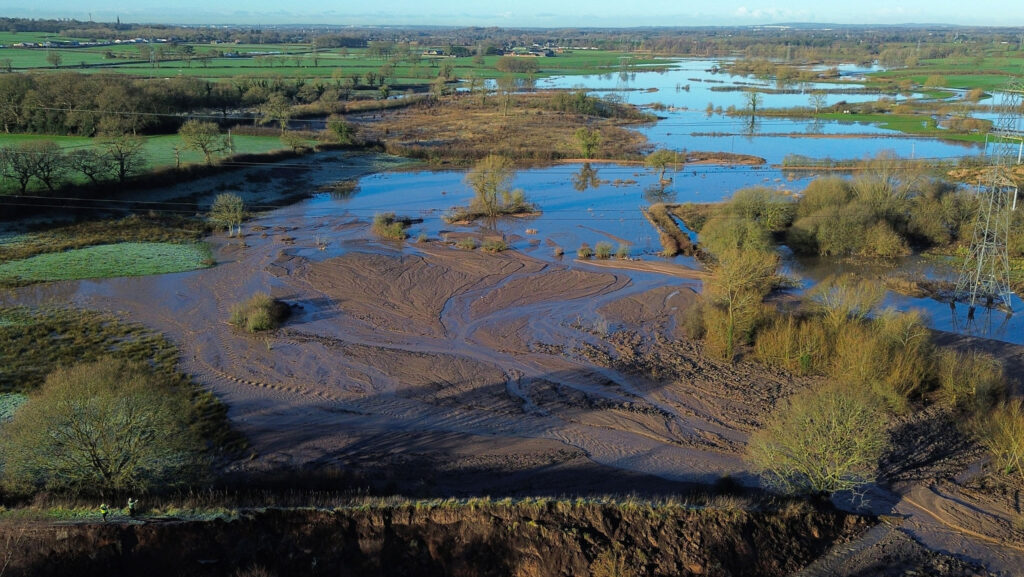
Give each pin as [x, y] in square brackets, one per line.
[970, 380]
[466, 243]
[494, 245]
[1001, 431]
[603, 250]
[748, 221]
[584, 251]
[386, 225]
[259, 313]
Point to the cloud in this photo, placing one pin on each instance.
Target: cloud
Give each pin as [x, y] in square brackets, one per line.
[773, 14]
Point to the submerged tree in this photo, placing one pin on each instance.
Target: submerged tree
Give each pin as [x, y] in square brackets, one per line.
[490, 179]
[227, 211]
[661, 159]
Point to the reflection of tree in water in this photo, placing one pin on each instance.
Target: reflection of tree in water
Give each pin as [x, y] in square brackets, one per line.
[751, 126]
[586, 178]
[660, 192]
[815, 126]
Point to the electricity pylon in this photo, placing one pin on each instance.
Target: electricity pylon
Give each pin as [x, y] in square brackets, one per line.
[985, 276]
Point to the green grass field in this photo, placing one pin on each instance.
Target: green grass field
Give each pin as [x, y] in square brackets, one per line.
[106, 261]
[160, 149]
[296, 60]
[988, 73]
[918, 124]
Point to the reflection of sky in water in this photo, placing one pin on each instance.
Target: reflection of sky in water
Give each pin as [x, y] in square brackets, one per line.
[611, 211]
[686, 126]
[668, 87]
[570, 217]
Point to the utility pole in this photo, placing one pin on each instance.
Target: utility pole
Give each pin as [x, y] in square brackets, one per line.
[985, 275]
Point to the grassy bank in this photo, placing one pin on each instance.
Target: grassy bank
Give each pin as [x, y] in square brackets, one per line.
[106, 261]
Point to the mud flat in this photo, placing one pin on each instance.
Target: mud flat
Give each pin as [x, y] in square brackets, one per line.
[424, 366]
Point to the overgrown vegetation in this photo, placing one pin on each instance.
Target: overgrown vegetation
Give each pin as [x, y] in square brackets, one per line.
[521, 127]
[103, 427]
[822, 441]
[1001, 430]
[260, 312]
[34, 343]
[388, 226]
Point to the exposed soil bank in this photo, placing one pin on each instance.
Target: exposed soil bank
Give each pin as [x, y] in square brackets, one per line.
[532, 539]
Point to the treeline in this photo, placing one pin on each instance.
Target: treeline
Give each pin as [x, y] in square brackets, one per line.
[805, 44]
[44, 163]
[69, 103]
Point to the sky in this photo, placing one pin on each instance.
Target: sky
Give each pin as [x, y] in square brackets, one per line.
[527, 13]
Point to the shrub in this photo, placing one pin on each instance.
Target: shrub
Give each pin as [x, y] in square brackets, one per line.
[603, 250]
[387, 226]
[584, 251]
[558, 251]
[891, 354]
[693, 321]
[971, 380]
[845, 298]
[1002, 433]
[799, 346]
[736, 288]
[771, 209]
[882, 241]
[259, 313]
[821, 441]
[494, 245]
[907, 355]
[109, 425]
[722, 233]
[622, 252]
[466, 243]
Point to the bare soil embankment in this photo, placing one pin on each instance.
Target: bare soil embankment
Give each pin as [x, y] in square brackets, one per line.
[530, 539]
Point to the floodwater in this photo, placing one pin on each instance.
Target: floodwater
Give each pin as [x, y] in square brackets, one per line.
[612, 213]
[686, 90]
[590, 203]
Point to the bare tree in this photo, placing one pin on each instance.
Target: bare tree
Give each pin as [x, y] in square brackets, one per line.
[204, 137]
[126, 155]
